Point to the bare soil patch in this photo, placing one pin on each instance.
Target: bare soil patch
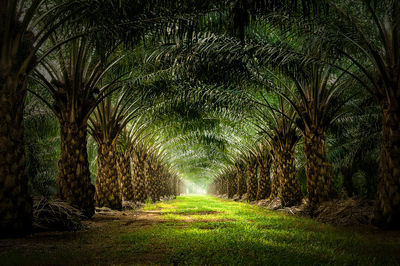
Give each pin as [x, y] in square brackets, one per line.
[98, 236]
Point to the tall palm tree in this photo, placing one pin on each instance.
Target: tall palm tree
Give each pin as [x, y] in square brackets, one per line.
[373, 45]
[74, 78]
[276, 120]
[318, 100]
[264, 160]
[125, 144]
[109, 118]
[252, 182]
[230, 182]
[22, 34]
[240, 177]
[24, 27]
[124, 150]
[139, 156]
[368, 38]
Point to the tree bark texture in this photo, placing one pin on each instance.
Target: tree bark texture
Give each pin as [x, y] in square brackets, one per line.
[252, 180]
[15, 65]
[74, 184]
[125, 176]
[240, 179]
[107, 184]
[231, 188]
[150, 180]
[275, 182]
[139, 176]
[290, 193]
[264, 180]
[388, 195]
[15, 203]
[318, 169]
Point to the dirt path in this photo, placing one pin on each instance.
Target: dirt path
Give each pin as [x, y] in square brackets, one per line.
[202, 230]
[89, 246]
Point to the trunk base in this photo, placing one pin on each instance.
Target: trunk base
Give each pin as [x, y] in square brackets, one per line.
[74, 184]
[107, 186]
[318, 170]
[387, 214]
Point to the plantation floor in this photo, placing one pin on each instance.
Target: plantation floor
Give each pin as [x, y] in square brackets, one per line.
[204, 230]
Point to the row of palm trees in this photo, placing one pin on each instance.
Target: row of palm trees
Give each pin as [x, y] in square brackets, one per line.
[56, 44]
[316, 56]
[308, 58]
[94, 94]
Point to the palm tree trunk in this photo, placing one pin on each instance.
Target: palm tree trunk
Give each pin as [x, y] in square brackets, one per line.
[227, 184]
[224, 186]
[318, 169]
[218, 187]
[139, 177]
[170, 185]
[125, 176]
[388, 203]
[252, 180]
[240, 180]
[264, 181]
[74, 185]
[15, 203]
[174, 186]
[275, 182]
[15, 65]
[158, 183]
[290, 193]
[231, 185]
[107, 185]
[150, 182]
[165, 182]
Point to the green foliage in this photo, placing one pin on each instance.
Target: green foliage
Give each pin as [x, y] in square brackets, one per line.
[210, 78]
[42, 148]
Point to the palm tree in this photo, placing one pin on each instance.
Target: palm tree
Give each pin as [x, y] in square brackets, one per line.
[131, 135]
[75, 81]
[373, 45]
[22, 33]
[151, 173]
[252, 167]
[230, 182]
[24, 27]
[139, 156]
[318, 100]
[106, 123]
[264, 160]
[276, 120]
[368, 38]
[125, 143]
[124, 150]
[240, 177]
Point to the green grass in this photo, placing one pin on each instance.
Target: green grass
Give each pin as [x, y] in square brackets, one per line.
[207, 230]
[224, 232]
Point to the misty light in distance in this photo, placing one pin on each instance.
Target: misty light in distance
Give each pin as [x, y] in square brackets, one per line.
[192, 188]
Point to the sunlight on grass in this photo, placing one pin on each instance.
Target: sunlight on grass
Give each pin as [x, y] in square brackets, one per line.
[204, 230]
[230, 233]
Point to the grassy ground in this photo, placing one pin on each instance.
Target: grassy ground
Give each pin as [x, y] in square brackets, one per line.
[204, 230]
